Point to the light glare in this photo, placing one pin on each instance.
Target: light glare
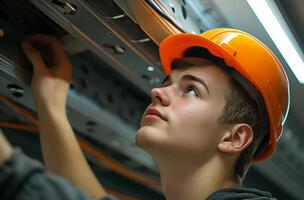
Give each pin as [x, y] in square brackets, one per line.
[279, 37]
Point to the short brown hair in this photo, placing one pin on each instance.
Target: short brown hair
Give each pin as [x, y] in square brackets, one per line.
[239, 108]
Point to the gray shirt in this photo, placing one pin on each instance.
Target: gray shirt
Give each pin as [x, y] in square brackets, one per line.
[23, 178]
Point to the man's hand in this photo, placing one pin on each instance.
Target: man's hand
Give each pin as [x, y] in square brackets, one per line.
[50, 84]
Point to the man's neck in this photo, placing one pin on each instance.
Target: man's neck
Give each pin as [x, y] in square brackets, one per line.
[195, 182]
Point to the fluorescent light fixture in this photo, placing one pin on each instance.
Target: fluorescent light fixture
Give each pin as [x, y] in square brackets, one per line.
[275, 25]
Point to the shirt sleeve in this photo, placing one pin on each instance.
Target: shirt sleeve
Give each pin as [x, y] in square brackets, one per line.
[109, 197]
[23, 178]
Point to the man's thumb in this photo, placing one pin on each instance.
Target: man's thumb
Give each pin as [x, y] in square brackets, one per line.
[33, 55]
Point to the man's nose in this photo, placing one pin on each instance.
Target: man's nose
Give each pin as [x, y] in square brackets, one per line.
[160, 96]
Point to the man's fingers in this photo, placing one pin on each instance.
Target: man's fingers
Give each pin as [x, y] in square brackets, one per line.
[34, 56]
[60, 61]
[45, 41]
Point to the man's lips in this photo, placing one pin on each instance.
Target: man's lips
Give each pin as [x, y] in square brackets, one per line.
[154, 111]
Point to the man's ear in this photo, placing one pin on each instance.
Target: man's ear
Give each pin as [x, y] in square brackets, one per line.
[238, 138]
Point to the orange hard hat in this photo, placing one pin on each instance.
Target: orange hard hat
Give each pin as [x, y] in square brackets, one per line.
[250, 62]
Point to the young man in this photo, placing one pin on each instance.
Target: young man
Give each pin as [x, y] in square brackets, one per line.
[221, 107]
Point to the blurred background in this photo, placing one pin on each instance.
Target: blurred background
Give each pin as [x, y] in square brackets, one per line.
[113, 45]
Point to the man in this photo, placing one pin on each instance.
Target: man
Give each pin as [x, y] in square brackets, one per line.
[221, 107]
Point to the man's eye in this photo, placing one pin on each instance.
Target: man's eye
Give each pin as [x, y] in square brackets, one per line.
[192, 91]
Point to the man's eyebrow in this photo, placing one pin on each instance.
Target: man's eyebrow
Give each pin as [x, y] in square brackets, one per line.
[196, 79]
[191, 78]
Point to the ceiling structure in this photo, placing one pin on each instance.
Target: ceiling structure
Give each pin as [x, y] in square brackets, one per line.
[113, 48]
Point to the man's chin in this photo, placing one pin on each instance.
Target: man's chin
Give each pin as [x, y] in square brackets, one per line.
[146, 138]
[140, 137]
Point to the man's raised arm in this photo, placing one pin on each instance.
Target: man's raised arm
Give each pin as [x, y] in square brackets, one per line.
[50, 85]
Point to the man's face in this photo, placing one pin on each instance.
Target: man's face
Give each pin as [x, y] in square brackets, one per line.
[183, 116]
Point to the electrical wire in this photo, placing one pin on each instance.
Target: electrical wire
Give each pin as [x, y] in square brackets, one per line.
[120, 195]
[18, 126]
[105, 160]
[23, 112]
[163, 15]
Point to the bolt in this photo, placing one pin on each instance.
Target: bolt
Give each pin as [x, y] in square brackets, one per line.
[69, 8]
[150, 68]
[15, 90]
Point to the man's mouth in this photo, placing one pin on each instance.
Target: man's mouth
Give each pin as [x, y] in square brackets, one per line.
[153, 112]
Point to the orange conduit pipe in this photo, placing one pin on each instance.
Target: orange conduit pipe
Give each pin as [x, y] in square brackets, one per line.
[120, 195]
[23, 112]
[18, 126]
[117, 167]
[108, 162]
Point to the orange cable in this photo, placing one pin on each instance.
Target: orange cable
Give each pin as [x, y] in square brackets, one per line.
[18, 126]
[26, 114]
[117, 167]
[120, 195]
